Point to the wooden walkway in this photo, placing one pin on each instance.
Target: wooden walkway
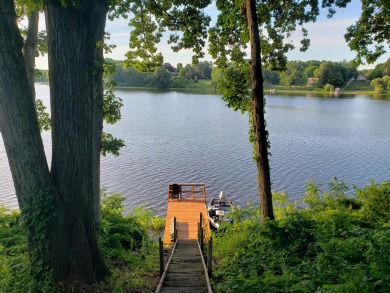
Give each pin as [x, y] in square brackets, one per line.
[186, 271]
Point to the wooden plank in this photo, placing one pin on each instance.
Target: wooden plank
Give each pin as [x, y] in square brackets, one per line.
[187, 213]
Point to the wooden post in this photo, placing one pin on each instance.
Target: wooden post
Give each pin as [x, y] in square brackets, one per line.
[201, 231]
[210, 257]
[161, 247]
[174, 230]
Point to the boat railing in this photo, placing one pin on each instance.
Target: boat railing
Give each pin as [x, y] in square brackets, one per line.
[187, 191]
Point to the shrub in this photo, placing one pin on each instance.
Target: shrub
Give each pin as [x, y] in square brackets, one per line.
[337, 243]
[375, 199]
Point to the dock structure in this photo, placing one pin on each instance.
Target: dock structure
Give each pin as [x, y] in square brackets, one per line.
[186, 228]
[186, 201]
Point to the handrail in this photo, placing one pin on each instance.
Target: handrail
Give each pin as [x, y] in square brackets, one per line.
[160, 284]
[205, 270]
[193, 190]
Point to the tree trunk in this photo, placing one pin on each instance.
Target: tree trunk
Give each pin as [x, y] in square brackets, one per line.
[72, 54]
[30, 48]
[98, 110]
[59, 209]
[257, 111]
[35, 192]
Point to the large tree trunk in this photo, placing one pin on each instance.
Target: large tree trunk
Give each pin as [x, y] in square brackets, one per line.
[72, 50]
[98, 110]
[257, 111]
[35, 192]
[30, 48]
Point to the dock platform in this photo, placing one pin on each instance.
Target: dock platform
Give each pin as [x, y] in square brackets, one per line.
[186, 201]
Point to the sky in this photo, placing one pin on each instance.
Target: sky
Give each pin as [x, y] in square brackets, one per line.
[327, 39]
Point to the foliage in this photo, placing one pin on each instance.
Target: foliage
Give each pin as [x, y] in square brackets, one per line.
[335, 73]
[375, 199]
[146, 34]
[294, 74]
[150, 18]
[112, 106]
[119, 234]
[370, 32]
[132, 256]
[148, 219]
[44, 120]
[162, 78]
[381, 85]
[179, 82]
[188, 72]
[329, 88]
[337, 243]
[16, 273]
[111, 144]
[233, 82]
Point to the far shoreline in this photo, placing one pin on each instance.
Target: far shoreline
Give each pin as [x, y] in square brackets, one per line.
[278, 90]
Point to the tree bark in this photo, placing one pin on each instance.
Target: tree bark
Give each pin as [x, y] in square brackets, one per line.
[59, 209]
[98, 107]
[72, 54]
[35, 192]
[257, 111]
[30, 48]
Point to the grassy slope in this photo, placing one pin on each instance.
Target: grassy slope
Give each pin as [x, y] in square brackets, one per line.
[359, 87]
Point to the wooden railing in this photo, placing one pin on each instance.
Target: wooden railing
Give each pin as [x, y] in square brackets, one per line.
[187, 190]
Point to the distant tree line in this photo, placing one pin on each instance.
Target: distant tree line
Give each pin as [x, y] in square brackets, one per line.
[380, 77]
[164, 77]
[313, 73]
[380, 70]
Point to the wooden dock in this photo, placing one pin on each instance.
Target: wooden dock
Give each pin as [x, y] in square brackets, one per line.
[185, 203]
[185, 270]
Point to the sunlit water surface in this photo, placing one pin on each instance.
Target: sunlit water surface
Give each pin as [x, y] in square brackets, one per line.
[185, 137]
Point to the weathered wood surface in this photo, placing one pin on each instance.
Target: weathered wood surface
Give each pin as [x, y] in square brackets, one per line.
[186, 272]
[187, 213]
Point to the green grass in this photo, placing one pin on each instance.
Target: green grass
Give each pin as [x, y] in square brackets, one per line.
[359, 87]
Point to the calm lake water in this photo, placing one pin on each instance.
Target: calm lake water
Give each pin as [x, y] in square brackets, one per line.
[185, 137]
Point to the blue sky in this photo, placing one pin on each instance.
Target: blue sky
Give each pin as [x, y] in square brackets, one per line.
[327, 39]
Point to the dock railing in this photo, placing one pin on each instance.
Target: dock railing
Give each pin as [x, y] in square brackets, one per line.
[187, 191]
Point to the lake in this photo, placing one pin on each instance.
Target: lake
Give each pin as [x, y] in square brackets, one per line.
[185, 137]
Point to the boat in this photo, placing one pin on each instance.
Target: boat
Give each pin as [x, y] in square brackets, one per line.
[218, 210]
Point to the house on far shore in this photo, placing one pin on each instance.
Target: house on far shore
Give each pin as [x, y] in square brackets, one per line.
[311, 81]
[361, 77]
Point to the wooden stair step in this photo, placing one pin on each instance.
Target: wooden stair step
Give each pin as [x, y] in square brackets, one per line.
[185, 268]
[184, 290]
[186, 259]
[186, 283]
[182, 277]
